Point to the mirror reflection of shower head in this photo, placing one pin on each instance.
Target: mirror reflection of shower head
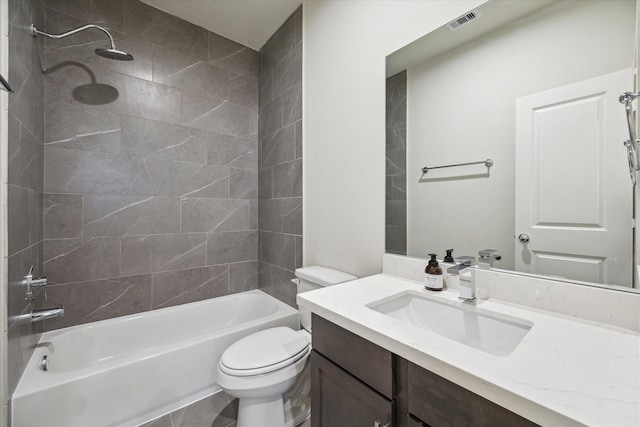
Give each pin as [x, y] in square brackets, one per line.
[111, 53]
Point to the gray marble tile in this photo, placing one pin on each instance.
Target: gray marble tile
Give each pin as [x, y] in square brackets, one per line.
[153, 25]
[299, 251]
[74, 127]
[18, 219]
[298, 142]
[208, 215]
[270, 215]
[25, 157]
[292, 105]
[287, 179]
[271, 117]
[218, 115]
[130, 215]
[287, 72]
[243, 276]
[278, 147]
[265, 277]
[232, 246]
[184, 179]
[184, 286]
[399, 187]
[189, 73]
[243, 90]
[265, 183]
[243, 184]
[396, 136]
[278, 249]
[265, 88]
[232, 151]
[396, 213]
[396, 240]
[18, 267]
[78, 260]
[88, 172]
[280, 43]
[153, 140]
[107, 13]
[99, 299]
[25, 104]
[62, 216]
[163, 252]
[22, 339]
[396, 162]
[283, 288]
[292, 215]
[233, 56]
[253, 214]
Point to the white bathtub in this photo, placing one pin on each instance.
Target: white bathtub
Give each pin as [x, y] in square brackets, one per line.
[129, 370]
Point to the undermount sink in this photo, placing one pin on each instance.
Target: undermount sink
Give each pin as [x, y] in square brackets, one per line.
[494, 334]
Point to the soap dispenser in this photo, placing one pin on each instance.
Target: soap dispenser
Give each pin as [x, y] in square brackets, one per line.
[448, 257]
[433, 275]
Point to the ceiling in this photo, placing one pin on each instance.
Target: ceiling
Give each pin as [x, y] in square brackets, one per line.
[249, 22]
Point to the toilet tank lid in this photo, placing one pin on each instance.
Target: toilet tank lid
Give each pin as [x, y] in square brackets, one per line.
[323, 276]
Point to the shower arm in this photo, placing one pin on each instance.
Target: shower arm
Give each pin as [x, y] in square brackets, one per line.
[35, 32]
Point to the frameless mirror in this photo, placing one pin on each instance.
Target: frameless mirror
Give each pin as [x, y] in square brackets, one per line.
[513, 109]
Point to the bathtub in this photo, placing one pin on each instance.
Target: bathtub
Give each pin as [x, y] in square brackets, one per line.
[132, 369]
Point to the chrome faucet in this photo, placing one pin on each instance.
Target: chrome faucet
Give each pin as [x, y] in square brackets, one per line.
[487, 257]
[31, 282]
[467, 287]
[47, 313]
[463, 262]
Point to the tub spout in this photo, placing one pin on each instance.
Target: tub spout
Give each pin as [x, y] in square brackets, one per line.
[47, 313]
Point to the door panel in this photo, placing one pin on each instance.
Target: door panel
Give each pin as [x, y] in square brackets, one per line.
[573, 193]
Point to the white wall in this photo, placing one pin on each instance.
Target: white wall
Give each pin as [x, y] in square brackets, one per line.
[344, 49]
[461, 108]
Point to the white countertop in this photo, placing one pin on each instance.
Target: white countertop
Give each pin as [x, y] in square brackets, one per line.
[565, 371]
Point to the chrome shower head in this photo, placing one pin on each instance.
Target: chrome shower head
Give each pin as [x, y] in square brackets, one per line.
[116, 54]
[111, 53]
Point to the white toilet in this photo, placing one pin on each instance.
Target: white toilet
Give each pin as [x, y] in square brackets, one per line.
[260, 368]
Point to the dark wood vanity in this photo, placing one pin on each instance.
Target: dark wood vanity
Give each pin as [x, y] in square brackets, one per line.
[357, 383]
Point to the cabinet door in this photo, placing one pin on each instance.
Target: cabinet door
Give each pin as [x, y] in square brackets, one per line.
[340, 400]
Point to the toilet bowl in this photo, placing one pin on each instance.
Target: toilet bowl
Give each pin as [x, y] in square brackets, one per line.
[261, 368]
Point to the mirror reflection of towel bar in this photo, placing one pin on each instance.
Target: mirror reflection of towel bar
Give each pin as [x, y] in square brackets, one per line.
[5, 84]
[488, 163]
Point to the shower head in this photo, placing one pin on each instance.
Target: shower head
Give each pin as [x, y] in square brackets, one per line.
[111, 53]
[116, 54]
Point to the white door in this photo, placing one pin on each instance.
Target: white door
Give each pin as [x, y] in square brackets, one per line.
[574, 198]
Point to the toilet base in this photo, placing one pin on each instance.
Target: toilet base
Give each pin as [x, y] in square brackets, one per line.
[268, 412]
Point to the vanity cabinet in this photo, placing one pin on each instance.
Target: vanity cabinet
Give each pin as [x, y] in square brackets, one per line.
[357, 383]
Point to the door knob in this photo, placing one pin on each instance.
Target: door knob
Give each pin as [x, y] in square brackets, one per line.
[524, 238]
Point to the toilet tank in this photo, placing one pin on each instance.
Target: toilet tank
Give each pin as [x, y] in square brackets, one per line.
[315, 277]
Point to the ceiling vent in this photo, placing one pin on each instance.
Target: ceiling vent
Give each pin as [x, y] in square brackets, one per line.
[463, 20]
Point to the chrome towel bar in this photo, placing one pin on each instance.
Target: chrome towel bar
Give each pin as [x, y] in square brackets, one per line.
[5, 84]
[488, 163]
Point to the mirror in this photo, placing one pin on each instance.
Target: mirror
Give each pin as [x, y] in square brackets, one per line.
[533, 86]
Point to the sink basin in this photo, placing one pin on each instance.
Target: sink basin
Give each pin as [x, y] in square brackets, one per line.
[492, 333]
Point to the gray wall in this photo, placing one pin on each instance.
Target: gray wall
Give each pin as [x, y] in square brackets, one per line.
[25, 184]
[150, 198]
[280, 175]
[396, 165]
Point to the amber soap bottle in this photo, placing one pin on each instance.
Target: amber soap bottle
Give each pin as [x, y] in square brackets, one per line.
[433, 275]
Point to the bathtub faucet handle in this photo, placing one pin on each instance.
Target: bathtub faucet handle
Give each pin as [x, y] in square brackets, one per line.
[31, 282]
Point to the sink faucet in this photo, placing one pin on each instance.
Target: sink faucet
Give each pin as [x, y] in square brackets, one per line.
[468, 286]
[487, 256]
[47, 313]
[463, 262]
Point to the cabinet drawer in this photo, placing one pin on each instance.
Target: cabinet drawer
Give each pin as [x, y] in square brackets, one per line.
[340, 400]
[439, 402]
[366, 361]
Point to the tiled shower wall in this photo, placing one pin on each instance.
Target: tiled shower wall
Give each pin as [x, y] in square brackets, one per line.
[396, 165]
[280, 176]
[25, 184]
[151, 166]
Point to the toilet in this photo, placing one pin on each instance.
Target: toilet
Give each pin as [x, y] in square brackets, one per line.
[261, 368]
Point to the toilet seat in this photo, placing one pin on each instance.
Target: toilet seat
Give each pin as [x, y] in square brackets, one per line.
[263, 352]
